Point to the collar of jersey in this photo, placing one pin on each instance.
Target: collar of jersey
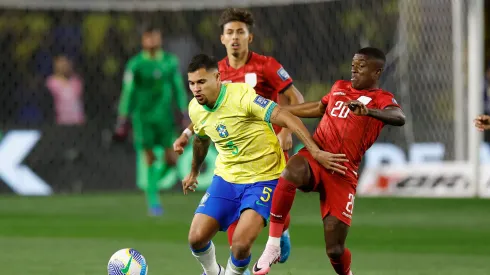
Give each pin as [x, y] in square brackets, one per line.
[158, 55]
[222, 93]
[250, 53]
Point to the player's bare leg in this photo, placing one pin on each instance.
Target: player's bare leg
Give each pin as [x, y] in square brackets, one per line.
[296, 175]
[170, 157]
[229, 232]
[335, 232]
[202, 231]
[248, 228]
[284, 237]
[152, 194]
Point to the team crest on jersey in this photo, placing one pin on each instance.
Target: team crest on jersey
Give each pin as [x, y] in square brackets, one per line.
[364, 99]
[157, 73]
[283, 74]
[262, 102]
[221, 129]
[251, 79]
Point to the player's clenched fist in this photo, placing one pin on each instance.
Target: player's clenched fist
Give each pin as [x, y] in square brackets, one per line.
[189, 183]
[180, 143]
[331, 161]
[482, 122]
[357, 107]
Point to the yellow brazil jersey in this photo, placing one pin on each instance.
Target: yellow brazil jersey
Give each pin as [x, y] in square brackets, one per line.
[238, 124]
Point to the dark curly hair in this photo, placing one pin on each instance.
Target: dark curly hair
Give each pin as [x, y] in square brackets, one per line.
[240, 15]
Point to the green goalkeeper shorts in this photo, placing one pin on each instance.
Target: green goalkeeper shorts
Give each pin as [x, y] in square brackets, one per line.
[148, 135]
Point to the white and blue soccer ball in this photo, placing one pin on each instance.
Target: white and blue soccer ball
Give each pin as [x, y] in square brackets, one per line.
[127, 261]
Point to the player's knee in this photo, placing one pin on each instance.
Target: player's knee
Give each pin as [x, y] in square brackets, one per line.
[296, 171]
[172, 161]
[170, 157]
[149, 157]
[197, 239]
[335, 251]
[240, 247]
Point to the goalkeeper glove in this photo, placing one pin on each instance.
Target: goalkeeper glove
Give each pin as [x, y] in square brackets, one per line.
[121, 130]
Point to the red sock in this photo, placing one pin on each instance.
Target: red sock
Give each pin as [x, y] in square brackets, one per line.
[286, 222]
[342, 265]
[230, 231]
[282, 201]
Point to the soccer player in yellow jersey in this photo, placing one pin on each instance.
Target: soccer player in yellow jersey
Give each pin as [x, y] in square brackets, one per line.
[249, 163]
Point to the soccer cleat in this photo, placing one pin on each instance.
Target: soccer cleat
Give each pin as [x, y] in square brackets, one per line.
[221, 271]
[155, 210]
[271, 255]
[285, 246]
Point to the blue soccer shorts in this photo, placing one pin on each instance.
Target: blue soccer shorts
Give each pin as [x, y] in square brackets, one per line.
[225, 201]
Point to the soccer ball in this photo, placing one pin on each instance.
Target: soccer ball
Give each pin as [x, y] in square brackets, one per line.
[127, 261]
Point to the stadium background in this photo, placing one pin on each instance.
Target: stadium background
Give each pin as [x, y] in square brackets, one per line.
[314, 41]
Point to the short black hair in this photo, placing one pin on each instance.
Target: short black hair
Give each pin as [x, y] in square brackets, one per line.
[150, 28]
[373, 53]
[234, 14]
[202, 61]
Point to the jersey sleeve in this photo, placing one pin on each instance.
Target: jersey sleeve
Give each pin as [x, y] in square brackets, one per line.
[326, 97]
[277, 77]
[124, 108]
[198, 129]
[386, 100]
[258, 106]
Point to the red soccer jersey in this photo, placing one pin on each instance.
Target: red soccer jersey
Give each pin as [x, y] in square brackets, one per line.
[263, 73]
[340, 131]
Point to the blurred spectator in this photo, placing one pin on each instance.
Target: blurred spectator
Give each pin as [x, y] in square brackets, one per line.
[66, 87]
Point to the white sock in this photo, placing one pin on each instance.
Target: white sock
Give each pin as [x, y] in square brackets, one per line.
[231, 269]
[208, 261]
[274, 241]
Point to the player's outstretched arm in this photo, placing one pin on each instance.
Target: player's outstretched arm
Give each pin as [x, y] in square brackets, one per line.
[390, 115]
[330, 161]
[482, 122]
[292, 97]
[183, 140]
[200, 150]
[307, 110]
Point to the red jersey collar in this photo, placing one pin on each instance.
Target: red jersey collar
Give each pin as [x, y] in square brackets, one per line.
[250, 53]
[369, 90]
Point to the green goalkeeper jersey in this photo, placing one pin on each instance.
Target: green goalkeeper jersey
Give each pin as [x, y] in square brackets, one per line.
[151, 87]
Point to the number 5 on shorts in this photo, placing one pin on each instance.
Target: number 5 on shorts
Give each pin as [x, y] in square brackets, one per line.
[267, 194]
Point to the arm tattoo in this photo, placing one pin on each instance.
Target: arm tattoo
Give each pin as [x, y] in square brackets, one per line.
[306, 141]
[276, 113]
[200, 150]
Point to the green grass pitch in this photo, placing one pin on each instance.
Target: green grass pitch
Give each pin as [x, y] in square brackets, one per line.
[77, 234]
